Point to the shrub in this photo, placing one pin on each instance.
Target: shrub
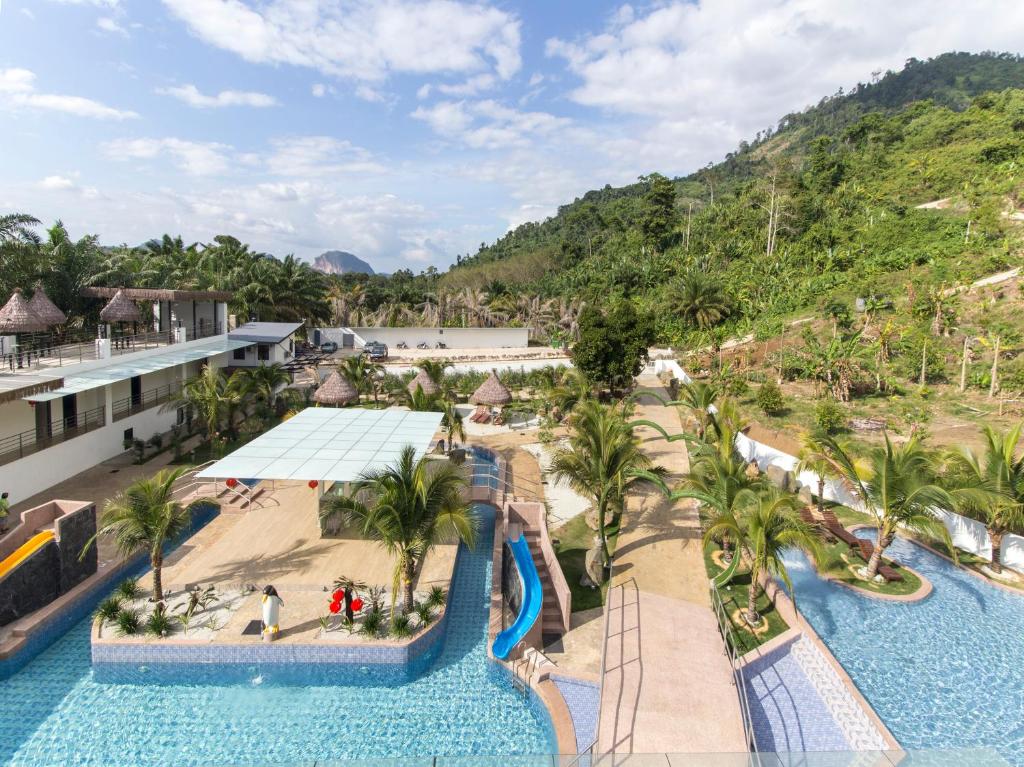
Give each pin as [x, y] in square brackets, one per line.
[830, 416]
[769, 398]
[401, 626]
[129, 589]
[437, 597]
[159, 623]
[425, 613]
[373, 623]
[107, 611]
[128, 622]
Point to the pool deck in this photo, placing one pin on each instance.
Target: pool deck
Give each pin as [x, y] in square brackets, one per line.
[668, 686]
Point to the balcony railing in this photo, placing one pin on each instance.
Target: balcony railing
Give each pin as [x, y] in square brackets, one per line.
[28, 442]
[129, 406]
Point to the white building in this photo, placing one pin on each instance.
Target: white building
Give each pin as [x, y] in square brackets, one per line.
[452, 338]
[57, 420]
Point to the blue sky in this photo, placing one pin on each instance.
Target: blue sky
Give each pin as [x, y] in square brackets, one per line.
[409, 132]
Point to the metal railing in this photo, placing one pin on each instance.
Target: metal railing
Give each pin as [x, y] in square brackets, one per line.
[732, 652]
[129, 406]
[28, 442]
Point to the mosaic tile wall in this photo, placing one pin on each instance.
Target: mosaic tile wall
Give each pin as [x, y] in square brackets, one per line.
[584, 702]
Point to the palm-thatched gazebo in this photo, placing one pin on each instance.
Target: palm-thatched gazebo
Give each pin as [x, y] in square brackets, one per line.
[425, 382]
[18, 316]
[336, 390]
[45, 308]
[120, 309]
[491, 392]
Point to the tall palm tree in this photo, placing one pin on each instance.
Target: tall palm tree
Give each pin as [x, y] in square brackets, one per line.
[816, 458]
[208, 395]
[697, 397]
[997, 476]
[363, 374]
[603, 462]
[767, 525]
[899, 486]
[700, 299]
[145, 515]
[263, 382]
[407, 508]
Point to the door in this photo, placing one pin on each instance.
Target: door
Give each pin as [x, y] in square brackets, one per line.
[136, 391]
[43, 429]
[70, 405]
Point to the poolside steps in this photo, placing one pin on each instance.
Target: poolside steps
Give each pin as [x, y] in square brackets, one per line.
[551, 622]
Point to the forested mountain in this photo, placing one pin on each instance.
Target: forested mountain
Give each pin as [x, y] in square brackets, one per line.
[824, 203]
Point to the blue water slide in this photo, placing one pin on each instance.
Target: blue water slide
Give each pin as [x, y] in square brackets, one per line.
[533, 599]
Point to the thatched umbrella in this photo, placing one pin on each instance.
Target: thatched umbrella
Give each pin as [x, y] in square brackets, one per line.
[17, 316]
[120, 308]
[45, 308]
[336, 390]
[491, 392]
[426, 383]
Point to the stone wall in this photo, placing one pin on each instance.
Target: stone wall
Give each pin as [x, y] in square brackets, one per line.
[74, 530]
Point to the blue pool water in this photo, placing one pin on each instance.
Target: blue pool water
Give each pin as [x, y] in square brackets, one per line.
[485, 467]
[58, 711]
[945, 672]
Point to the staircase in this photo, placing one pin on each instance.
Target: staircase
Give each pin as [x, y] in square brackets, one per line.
[550, 615]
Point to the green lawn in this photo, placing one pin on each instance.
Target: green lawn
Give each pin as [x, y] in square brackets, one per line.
[574, 539]
[838, 559]
[734, 598]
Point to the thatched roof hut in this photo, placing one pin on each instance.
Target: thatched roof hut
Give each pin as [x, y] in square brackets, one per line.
[336, 390]
[17, 316]
[45, 308]
[491, 392]
[120, 308]
[425, 382]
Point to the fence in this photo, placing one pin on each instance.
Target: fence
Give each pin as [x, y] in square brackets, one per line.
[129, 406]
[28, 442]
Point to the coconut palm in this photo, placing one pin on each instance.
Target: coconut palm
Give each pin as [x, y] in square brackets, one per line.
[146, 515]
[603, 462]
[208, 395]
[363, 374]
[700, 299]
[697, 397]
[899, 486]
[407, 508]
[263, 382]
[767, 524]
[997, 476]
[816, 458]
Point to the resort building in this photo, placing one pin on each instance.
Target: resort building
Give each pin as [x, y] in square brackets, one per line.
[451, 338]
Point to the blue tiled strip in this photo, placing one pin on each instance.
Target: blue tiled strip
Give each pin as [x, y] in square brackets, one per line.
[584, 702]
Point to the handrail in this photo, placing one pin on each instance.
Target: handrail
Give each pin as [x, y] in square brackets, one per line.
[731, 650]
[28, 442]
[129, 406]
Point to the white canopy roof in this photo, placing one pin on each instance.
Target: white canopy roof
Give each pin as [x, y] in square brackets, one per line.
[329, 444]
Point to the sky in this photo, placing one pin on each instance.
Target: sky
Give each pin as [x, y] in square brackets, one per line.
[411, 132]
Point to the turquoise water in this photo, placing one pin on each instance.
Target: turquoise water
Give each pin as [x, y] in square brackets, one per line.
[945, 672]
[58, 711]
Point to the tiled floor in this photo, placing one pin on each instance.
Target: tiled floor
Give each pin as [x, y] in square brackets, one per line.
[583, 700]
[798, 703]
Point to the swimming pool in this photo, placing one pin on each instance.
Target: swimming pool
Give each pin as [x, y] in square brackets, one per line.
[945, 672]
[57, 711]
[485, 467]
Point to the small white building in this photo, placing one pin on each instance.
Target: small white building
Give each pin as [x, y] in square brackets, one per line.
[267, 343]
[452, 338]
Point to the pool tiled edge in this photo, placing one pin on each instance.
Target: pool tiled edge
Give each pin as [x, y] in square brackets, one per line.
[583, 699]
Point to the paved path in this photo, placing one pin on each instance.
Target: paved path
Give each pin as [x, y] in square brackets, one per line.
[668, 686]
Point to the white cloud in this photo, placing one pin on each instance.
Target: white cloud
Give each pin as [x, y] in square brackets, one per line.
[191, 95]
[19, 87]
[312, 156]
[98, 3]
[108, 24]
[423, 91]
[366, 93]
[319, 90]
[488, 124]
[56, 183]
[470, 87]
[363, 41]
[195, 158]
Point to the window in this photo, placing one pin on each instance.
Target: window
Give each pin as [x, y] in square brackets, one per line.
[263, 352]
[240, 354]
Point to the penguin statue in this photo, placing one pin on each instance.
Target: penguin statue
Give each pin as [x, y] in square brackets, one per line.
[271, 613]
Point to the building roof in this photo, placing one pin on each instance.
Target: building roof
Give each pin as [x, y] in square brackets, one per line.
[329, 444]
[264, 332]
[120, 309]
[45, 308]
[425, 382]
[336, 390]
[17, 316]
[130, 365]
[159, 294]
[491, 392]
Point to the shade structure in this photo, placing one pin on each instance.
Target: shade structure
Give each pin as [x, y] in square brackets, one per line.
[17, 316]
[120, 308]
[491, 392]
[45, 308]
[336, 390]
[426, 383]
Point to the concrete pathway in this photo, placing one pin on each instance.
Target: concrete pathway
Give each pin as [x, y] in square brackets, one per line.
[668, 687]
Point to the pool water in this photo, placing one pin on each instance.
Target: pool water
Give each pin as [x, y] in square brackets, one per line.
[485, 467]
[58, 711]
[945, 672]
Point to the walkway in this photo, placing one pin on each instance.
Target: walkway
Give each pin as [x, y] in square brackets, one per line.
[668, 686]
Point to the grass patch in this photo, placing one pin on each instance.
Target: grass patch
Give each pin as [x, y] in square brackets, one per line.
[734, 597]
[838, 560]
[574, 540]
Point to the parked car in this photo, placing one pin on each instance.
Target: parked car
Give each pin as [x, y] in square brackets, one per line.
[329, 347]
[376, 351]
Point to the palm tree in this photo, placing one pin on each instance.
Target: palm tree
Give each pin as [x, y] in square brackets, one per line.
[816, 458]
[998, 479]
[209, 395]
[700, 299]
[263, 382]
[602, 461]
[434, 370]
[898, 485]
[145, 515]
[698, 397]
[767, 525]
[836, 363]
[362, 374]
[409, 508]
[451, 422]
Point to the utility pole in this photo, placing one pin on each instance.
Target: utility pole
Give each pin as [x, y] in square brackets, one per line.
[963, 364]
[993, 386]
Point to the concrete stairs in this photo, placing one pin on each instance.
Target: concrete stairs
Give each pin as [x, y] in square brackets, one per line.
[551, 623]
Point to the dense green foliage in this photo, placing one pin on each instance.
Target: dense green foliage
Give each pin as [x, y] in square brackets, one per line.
[612, 346]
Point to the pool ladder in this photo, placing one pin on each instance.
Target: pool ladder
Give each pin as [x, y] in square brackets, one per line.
[522, 671]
